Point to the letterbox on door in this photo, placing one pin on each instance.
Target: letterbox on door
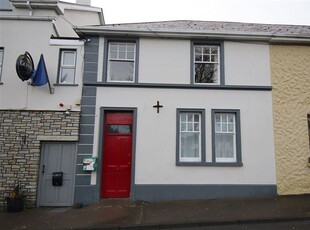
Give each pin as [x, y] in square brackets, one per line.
[57, 178]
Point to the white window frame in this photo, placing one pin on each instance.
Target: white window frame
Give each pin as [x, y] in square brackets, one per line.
[233, 132]
[63, 66]
[1, 62]
[218, 62]
[133, 60]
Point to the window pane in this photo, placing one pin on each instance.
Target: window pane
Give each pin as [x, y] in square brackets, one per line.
[122, 47]
[214, 50]
[190, 145]
[113, 47]
[190, 127]
[218, 128]
[190, 117]
[198, 57]
[230, 127]
[67, 76]
[130, 47]
[1, 57]
[224, 145]
[121, 71]
[206, 50]
[183, 126]
[214, 58]
[131, 55]
[196, 127]
[119, 129]
[113, 54]
[69, 58]
[198, 50]
[122, 55]
[196, 118]
[206, 73]
[206, 58]
[183, 117]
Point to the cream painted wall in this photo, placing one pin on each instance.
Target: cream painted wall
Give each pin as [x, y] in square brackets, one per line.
[156, 134]
[34, 37]
[290, 73]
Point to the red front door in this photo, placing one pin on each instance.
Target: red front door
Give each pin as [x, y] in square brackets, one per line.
[117, 152]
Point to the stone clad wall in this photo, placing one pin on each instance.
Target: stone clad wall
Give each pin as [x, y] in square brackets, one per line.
[21, 133]
[290, 73]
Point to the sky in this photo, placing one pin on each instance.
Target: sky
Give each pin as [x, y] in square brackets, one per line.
[295, 12]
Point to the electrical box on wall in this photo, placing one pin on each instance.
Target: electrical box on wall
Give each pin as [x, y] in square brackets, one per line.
[90, 164]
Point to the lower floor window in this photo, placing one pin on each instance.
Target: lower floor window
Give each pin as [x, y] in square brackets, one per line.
[225, 137]
[225, 133]
[190, 135]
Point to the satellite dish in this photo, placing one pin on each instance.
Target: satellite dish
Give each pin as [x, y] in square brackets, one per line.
[24, 66]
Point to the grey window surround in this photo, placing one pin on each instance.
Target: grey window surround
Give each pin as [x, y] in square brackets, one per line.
[220, 44]
[1, 64]
[59, 67]
[203, 142]
[203, 162]
[107, 40]
[57, 84]
[238, 137]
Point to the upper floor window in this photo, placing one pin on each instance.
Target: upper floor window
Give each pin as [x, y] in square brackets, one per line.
[67, 67]
[121, 62]
[207, 66]
[1, 61]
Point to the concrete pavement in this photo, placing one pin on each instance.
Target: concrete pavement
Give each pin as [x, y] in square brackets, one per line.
[124, 214]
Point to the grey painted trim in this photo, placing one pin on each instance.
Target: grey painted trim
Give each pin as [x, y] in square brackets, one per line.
[27, 18]
[85, 194]
[70, 85]
[238, 136]
[181, 86]
[89, 92]
[222, 64]
[3, 55]
[107, 40]
[203, 136]
[103, 110]
[162, 192]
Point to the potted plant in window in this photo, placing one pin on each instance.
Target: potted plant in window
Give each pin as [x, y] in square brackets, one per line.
[15, 199]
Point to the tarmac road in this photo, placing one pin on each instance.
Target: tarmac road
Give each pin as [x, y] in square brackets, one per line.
[287, 225]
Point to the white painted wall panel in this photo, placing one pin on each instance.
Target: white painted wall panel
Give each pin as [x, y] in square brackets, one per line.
[247, 63]
[164, 61]
[156, 134]
[33, 36]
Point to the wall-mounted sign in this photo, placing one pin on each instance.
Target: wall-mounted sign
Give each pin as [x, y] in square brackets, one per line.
[90, 164]
[24, 66]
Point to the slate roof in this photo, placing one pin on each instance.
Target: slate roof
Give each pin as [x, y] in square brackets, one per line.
[193, 27]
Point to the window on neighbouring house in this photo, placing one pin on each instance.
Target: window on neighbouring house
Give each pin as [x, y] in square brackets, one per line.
[1, 61]
[190, 135]
[206, 64]
[67, 67]
[121, 62]
[226, 136]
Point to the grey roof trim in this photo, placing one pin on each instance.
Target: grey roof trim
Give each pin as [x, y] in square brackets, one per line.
[27, 18]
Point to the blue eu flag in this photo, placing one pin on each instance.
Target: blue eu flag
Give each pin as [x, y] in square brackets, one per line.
[40, 76]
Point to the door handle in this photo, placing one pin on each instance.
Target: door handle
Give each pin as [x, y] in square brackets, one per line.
[43, 169]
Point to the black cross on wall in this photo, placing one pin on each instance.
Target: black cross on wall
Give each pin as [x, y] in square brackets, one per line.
[158, 106]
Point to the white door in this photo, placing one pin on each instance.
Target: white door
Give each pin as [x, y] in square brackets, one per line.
[57, 158]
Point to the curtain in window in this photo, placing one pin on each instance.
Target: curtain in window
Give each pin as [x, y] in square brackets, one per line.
[190, 145]
[224, 145]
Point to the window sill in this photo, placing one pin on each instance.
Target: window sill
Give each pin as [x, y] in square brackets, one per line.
[210, 164]
[66, 85]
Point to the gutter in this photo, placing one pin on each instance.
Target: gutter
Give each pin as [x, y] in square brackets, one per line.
[267, 37]
[27, 18]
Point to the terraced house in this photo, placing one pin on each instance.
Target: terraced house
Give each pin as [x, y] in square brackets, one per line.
[183, 109]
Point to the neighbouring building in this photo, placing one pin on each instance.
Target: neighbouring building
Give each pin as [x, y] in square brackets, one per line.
[290, 74]
[39, 127]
